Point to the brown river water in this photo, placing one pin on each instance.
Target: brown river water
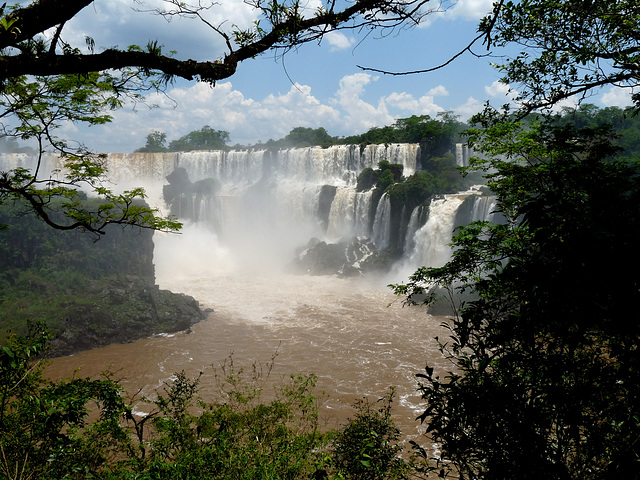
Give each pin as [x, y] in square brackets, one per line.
[352, 333]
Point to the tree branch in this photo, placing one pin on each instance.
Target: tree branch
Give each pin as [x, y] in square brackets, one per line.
[38, 17]
[426, 70]
[292, 31]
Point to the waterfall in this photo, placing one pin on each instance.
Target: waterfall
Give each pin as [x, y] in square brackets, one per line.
[382, 223]
[342, 214]
[49, 165]
[349, 214]
[483, 207]
[463, 153]
[275, 201]
[432, 239]
[429, 245]
[412, 228]
[363, 203]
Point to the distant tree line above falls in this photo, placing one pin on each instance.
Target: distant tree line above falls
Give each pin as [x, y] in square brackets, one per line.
[435, 135]
[340, 202]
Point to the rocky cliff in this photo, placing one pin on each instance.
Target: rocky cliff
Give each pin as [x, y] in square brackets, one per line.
[89, 292]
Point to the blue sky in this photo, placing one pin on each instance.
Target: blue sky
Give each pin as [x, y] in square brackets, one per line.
[314, 86]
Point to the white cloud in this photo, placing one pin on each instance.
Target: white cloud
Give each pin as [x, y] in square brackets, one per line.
[469, 9]
[339, 41]
[309, 8]
[122, 23]
[190, 106]
[500, 90]
[618, 97]
[469, 108]
[402, 101]
[406, 104]
[360, 115]
[439, 91]
[250, 120]
[429, 107]
[221, 107]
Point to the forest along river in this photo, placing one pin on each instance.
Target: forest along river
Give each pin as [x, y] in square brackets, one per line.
[342, 330]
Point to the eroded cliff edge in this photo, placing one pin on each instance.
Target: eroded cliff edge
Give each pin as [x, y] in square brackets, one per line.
[89, 291]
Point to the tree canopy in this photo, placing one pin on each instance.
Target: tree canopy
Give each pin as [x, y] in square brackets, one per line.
[566, 48]
[281, 25]
[544, 367]
[206, 138]
[546, 378]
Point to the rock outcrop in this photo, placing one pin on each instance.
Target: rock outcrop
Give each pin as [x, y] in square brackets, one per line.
[347, 258]
[88, 293]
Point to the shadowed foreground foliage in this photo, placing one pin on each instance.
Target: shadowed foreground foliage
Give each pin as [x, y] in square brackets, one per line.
[545, 379]
[85, 428]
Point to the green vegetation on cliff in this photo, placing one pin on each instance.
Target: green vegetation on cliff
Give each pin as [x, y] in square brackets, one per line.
[206, 138]
[89, 292]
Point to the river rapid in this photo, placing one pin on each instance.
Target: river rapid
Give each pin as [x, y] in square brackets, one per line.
[352, 333]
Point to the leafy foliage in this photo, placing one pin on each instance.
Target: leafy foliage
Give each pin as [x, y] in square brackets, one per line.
[204, 139]
[33, 108]
[435, 135]
[281, 25]
[367, 447]
[304, 137]
[155, 143]
[565, 48]
[83, 428]
[43, 426]
[545, 370]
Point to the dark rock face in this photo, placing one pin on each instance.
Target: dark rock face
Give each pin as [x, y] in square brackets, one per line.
[346, 258]
[185, 197]
[327, 194]
[88, 293]
[125, 310]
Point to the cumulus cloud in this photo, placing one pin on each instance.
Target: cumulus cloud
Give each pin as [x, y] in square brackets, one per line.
[339, 41]
[360, 115]
[221, 107]
[120, 23]
[469, 108]
[501, 91]
[439, 91]
[469, 9]
[249, 120]
[617, 97]
[406, 104]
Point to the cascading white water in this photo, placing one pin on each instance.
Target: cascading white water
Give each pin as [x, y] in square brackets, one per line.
[270, 200]
[342, 214]
[429, 244]
[382, 223]
[483, 207]
[49, 165]
[432, 239]
[349, 214]
[412, 228]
